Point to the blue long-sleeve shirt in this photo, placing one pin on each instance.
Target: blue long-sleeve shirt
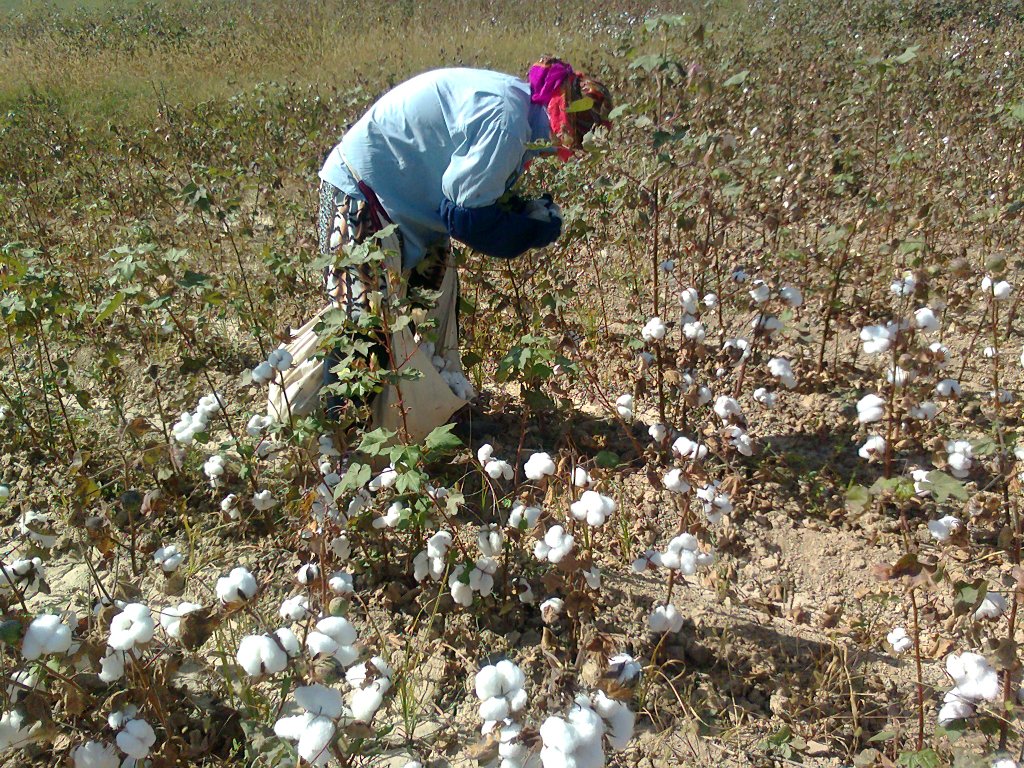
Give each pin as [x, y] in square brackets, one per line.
[438, 147]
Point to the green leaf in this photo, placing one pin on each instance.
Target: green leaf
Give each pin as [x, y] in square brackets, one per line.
[607, 460]
[968, 595]
[926, 758]
[441, 440]
[943, 486]
[882, 736]
[10, 632]
[908, 55]
[738, 79]
[984, 446]
[857, 497]
[357, 476]
[580, 105]
[375, 442]
[196, 280]
[110, 306]
[618, 111]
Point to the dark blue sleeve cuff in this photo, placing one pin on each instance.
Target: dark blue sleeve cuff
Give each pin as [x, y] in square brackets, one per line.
[496, 231]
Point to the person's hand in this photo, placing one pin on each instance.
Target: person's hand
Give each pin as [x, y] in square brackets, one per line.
[543, 209]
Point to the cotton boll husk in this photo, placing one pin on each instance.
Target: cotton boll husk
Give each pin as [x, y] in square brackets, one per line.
[551, 609]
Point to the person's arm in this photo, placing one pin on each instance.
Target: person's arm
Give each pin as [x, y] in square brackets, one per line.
[487, 160]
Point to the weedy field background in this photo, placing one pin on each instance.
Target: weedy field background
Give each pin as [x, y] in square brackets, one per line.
[158, 180]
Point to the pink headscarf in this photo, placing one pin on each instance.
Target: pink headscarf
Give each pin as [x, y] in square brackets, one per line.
[554, 84]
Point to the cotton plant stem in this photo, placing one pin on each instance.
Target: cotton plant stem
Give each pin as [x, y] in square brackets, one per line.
[917, 666]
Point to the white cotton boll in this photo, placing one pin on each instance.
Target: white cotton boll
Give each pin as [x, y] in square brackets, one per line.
[136, 739]
[169, 558]
[624, 406]
[280, 359]
[94, 754]
[461, 592]
[538, 466]
[685, 448]
[551, 609]
[26, 574]
[229, 506]
[791, 296]
[870, 408]
[292, 728]
[992, 607]
[319, 700]
[307, 573]
[385, 479]
[975, 678]
[391, 518]
[899, 640]
[484, 452]
[289, 641]
[764, 397]
[257, 425]
[263, 500]
[999, 290]
[924, 412]
[740, 440]
[905, 285]
[481, 577]
[658, 433]
[925, 320]
[948, 388]
[523, 517]
[688, 298]
[209, 405]
[325, 444]
[117, 719]
[694, 331]
[710, 300]
[170, 617]
[654, 330]
[899, 376]
[675, 481]
[213, 468]
[780, 368]
[738, 349]
[133, 626]
[593, 508]
[37, 527]
[365, 702]
[727, 407]
[489, 541]
[960, 453]
[497, 469]
[704, 396]
[262, 373]
[341, 547]
[593, 577]
[624, 668]
[768, 324]
[340, 583]
[315, 740]
[944, 527]
[665, 619]
[112, 665]
[739, 275]
[954, 708]
[261, 655]
[873, 448]
[294, 608]
[46, 634]
[667, 265]
[184, 430]
[760, 293]
[580, 477]
[555, 545]
[237, 587]
[619, 718]
[877, 338]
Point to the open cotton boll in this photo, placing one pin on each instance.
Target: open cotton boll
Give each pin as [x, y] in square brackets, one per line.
[992, 607]
[685, 448]
[262, 373]
[925, 320]
[213, 468]
[38, 528]
[237, 587]
[694, 331]
[923, 412]
[523, 517]
[280, 359]
[905, 285]
[169, 558]
[975, 678]
[133, 626]
[899, 640]
[538, 466]
[136, 738]
[675, 481]
[45, 634]
[1000, 290]
[899, 376]
[501, 690]
[307, 573]
[877, 338]
[551, 609]
[873, 448]
[555, 545]
[764, 397]
[948, 388]
[688, 298]
[258, 424]
[498, 469]
[580, 477]
[727, 407]
[229, 506]
[944, 527]
[593, 577]
[624, 668]
[954, 708]
[481, 577]
[870, 408]
[710, 300]
[624, 406]
[294, 608]
[654, 330]
[739, 439]
[319, 700]
[315, 740]
[780, 368]
[618, 718]
[112, 665]
[593, 508]
[340, 583]
[490, 541]
[385, 479]
[767, 324]
[960, 458]
[261, 655]
[760, 293]
[95, 754]
[460, 590]
[117, 718]
[574, 742]
[665, 619]
[658, 433]
[791, 296]
[334, 636]
[170, 617]
[391, 518]
[263, 500]
[26, 575]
